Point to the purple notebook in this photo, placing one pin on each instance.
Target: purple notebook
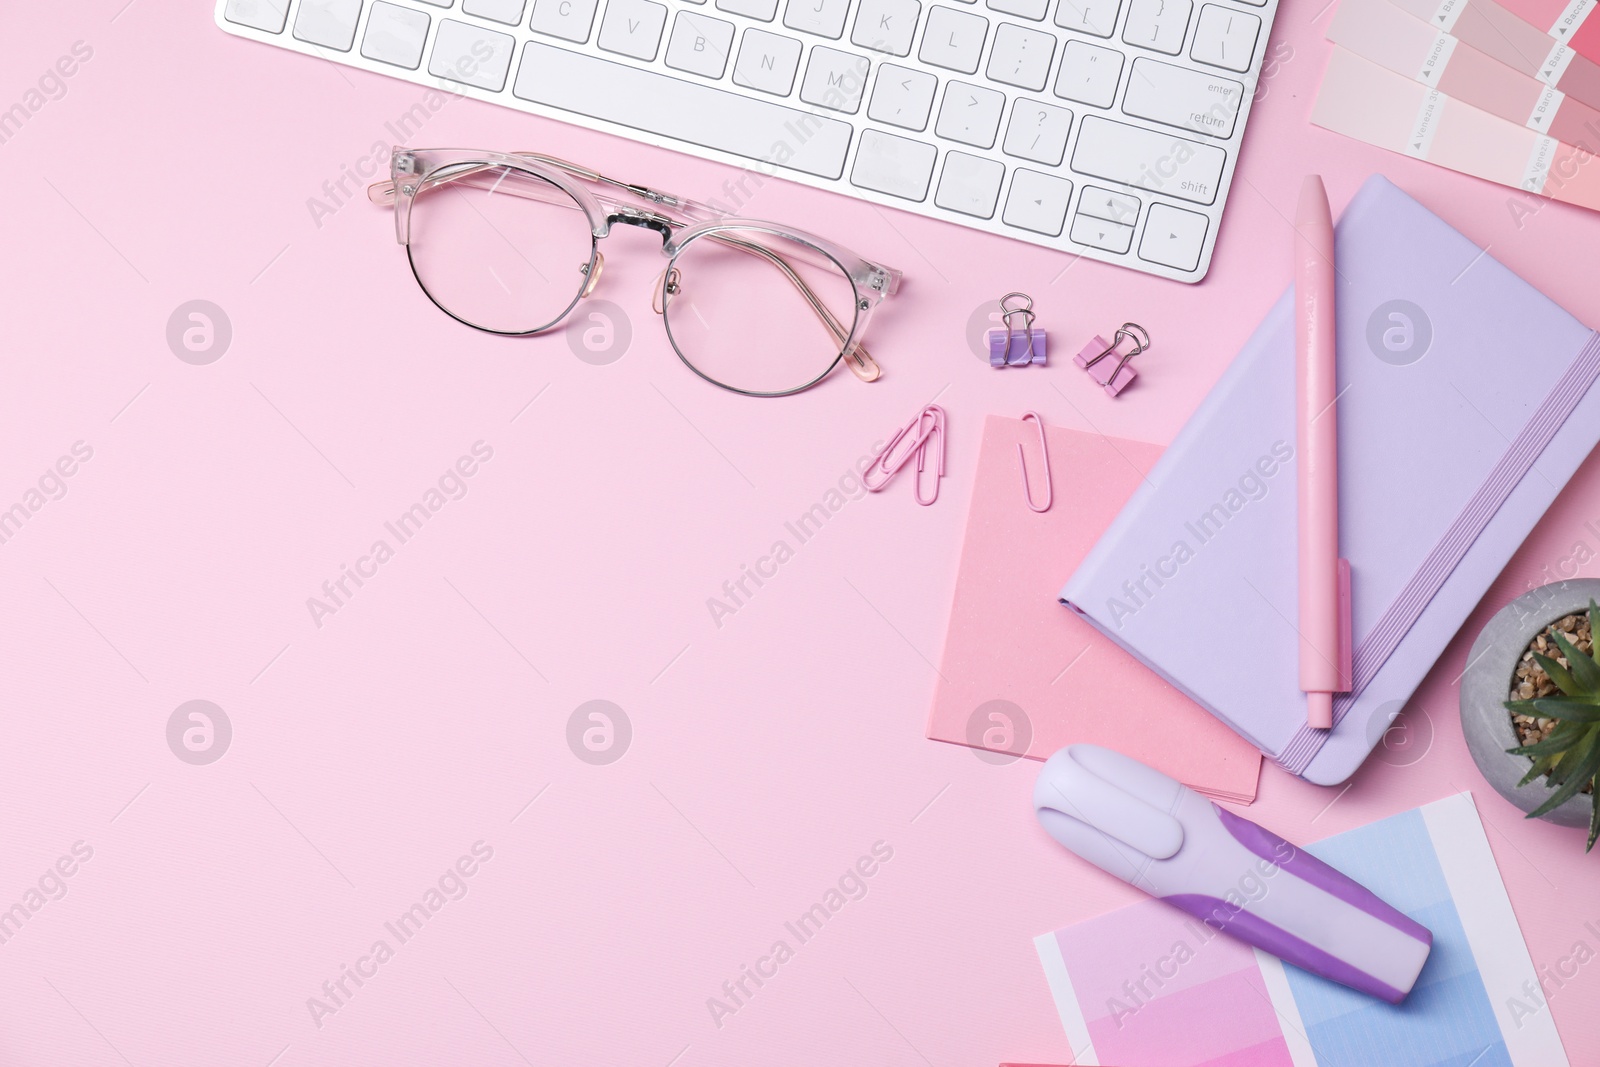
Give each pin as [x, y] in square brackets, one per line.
[1466, 402]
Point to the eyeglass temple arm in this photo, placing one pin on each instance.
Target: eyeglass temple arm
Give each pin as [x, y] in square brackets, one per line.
[383, 193]
[857, 358]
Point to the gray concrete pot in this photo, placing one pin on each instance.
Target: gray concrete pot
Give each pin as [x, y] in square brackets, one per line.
[1487, 683]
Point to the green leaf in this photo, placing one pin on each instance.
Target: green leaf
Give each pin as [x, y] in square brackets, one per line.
[1558, 674]
[1594, 806]
[1585, 772]
[1550, 746]
[1568, 762]
[1584, 669]
[1566, 709]
[1541, 766]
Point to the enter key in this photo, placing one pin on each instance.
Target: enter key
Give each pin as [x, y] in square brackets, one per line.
[1187, 99]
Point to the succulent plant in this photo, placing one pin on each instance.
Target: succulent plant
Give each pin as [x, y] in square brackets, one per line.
[1569, 755]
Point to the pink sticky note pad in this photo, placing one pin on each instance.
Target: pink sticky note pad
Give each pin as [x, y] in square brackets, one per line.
[1009, 639]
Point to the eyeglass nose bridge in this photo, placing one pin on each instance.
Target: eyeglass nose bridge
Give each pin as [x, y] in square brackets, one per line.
[648, 220]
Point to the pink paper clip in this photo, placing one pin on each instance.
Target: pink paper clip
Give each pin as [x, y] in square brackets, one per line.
[924, 431]
[1114, 379]
[1022, 461]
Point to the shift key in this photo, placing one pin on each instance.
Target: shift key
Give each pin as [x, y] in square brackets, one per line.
[1188, 99]
[1144, 159]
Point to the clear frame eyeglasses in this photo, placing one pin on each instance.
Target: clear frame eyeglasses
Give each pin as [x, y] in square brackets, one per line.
[510, 244]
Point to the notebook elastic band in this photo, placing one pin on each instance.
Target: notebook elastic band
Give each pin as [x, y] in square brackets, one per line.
[1373, 651]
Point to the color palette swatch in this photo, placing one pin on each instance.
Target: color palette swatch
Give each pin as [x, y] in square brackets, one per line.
[1384, 34]
[1499, 33]
[1372, 103]
[1149, 984]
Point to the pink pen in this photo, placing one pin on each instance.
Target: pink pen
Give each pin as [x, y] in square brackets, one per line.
[1324, 577]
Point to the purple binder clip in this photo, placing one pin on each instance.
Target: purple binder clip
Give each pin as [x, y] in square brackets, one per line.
[1016, 346]
[1114, 378]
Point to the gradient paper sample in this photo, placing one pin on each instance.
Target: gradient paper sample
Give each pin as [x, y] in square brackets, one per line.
[1518, 44]
[1378, 31]
[1149, 984]
[1373, 104]
[1567, 21]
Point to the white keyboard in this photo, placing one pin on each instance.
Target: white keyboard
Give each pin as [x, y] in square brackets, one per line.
[1102, 128]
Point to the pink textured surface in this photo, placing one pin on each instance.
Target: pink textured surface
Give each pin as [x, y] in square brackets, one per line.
[370, 754]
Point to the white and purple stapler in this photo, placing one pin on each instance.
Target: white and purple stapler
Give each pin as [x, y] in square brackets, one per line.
[1158, 835]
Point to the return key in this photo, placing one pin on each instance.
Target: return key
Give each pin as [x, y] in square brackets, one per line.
[1188, 99]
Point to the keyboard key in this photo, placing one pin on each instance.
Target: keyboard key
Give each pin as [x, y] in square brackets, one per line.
[1159, 25]
[506, 11]
[902, 97]
[953, 39]
[765, 10]
[767, 61]
[1173, 237]
[1038, 132]
[699, 44]
[1108, 206]
[447, 3]
[1178, 96]
[329, 23]
[825, 18]
[1225, 38]
[1028, 9]
[632, 28]
[1021, 56]
[265, 15]
[893, 165]
[1144, 159]
[569, 20]
[970, 184]
[471, 55]
[1037, 202]
[886, 25]
[1098, 233]
[970, 114]
[395, 35]
[1097, 17]
[661, 106]
[1089, 74]
[835, 80]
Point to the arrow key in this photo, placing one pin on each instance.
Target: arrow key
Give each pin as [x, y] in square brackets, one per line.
[1038, 202]
[1173, 237]
[1098, 233]
[1111, 207]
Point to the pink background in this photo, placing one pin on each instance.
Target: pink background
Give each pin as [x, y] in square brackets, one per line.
[768, 755]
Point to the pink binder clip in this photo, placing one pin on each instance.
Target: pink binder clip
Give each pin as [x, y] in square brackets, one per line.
[1114, 378]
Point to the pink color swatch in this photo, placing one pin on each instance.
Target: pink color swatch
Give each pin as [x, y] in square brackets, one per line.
[1391, 37]
[1569, 21]
[1497, 32]
[1373, 104]
[1010, 640]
